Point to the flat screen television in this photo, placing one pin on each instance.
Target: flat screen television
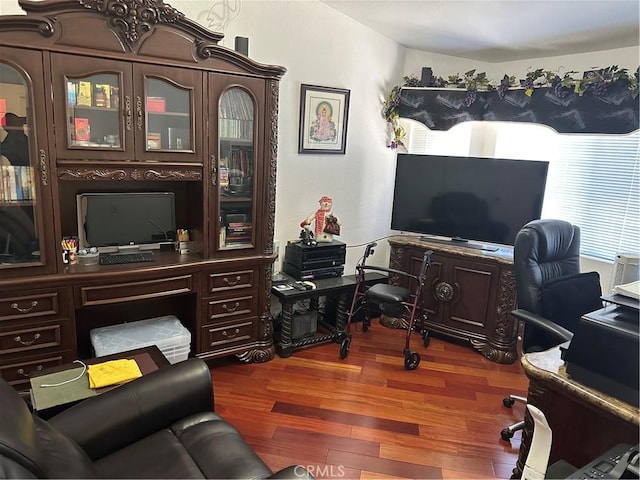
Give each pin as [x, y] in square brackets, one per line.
[463, 199]
[111, 220]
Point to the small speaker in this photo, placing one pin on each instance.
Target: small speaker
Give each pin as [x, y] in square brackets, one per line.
[427, 73]
[242, 45]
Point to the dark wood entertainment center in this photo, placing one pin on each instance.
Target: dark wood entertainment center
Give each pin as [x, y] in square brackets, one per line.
[469, 295]
[124, 96]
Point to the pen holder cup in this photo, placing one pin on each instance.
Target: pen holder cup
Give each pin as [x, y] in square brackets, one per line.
[89, 259]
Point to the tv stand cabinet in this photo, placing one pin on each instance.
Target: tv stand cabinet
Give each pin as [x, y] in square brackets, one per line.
[469, 293]
[123, 99]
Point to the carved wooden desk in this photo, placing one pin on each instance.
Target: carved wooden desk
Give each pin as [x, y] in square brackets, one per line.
[585, 422]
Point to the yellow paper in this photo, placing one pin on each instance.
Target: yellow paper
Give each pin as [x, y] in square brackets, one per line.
[113, 373]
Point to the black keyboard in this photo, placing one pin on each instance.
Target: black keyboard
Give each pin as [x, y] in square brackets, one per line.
[129, 257]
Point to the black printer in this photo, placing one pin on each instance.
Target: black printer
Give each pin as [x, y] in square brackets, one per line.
[605, 350]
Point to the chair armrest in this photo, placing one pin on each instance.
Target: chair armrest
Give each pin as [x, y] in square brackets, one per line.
[119, 417]
[294, 472]
[544, 323]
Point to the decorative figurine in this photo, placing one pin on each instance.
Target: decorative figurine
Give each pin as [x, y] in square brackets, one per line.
[326, 223]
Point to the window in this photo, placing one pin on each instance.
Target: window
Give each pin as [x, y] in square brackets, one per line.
[593, 180]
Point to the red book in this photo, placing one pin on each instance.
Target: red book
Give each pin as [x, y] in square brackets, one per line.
[82, 129]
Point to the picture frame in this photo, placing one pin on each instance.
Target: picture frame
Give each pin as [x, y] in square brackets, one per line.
[324, 112]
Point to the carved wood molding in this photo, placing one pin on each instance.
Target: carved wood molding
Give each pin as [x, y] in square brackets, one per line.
[272, 152]
[152, 174]
[505, 323]
[123, 174]
[43, 26]
[132, 19]
[91, 174]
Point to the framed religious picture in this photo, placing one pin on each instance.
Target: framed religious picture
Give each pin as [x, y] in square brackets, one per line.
[323, 119]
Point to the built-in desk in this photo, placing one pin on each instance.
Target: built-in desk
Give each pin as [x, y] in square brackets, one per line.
[585, 422]
[45, 321]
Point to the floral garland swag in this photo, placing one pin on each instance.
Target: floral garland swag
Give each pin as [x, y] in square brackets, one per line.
[594, 82]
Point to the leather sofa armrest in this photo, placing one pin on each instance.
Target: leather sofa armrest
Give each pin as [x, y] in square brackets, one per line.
[293, 472]
[539, 321]
[119, 417]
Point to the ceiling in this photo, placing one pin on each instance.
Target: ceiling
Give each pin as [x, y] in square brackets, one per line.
[500, 30]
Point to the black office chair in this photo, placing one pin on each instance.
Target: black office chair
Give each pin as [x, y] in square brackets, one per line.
[393, 300]
[551, 292]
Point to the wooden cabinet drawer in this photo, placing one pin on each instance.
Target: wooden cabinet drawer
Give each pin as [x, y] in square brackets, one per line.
[31, 306]
[216, 337]
[20, 372]
[34, 338]
[105, 294]
[222, 282]
[229, 308]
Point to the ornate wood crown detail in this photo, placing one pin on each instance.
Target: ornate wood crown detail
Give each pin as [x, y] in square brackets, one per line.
[133, 18]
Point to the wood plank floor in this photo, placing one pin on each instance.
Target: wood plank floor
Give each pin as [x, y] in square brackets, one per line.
[367, 417]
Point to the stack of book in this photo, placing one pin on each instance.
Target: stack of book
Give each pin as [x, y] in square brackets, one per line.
[239, 232]
[16, 183]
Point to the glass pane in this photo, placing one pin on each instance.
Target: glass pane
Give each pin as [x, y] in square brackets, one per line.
[236, 168]
[93, 112]
[18, 234]
[169, 116]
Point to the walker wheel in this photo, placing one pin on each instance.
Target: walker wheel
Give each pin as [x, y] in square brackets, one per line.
[411, 360]
[426, 339]
[508, 402]
[344, 348]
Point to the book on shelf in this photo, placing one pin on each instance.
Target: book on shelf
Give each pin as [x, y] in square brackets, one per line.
[16, 183]
[103, 95]
[82, 129]
[154, 141]
[71, 93]
[84, 95]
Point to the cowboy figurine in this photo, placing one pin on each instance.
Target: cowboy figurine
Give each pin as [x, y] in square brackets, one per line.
[327, 225]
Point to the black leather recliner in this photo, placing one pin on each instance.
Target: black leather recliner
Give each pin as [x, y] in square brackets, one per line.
[551, 292]
[159, 426]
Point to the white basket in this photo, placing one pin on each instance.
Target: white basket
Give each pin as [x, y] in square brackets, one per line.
[167, 333]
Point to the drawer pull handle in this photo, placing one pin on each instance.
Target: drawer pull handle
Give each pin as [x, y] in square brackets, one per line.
[232, 283]
[232, 309]
[232, 335]
[15, 306]
[21, 371]
[36, 336]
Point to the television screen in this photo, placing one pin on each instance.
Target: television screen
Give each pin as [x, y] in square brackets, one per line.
[467, 198]
[117, 219]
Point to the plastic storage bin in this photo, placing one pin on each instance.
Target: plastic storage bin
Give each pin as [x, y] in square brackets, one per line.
[167, 333]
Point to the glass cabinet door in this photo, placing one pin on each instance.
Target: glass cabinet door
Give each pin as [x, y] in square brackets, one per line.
[25, 195]
[168, 116]
[169, 106]
[236, 169]
[93, 111]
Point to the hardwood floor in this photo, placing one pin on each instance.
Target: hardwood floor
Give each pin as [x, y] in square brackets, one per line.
[367, 417]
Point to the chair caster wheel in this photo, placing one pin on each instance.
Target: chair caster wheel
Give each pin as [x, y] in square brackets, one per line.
[508, 402]
[344, 348]
[411, 360]
[506, 434]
